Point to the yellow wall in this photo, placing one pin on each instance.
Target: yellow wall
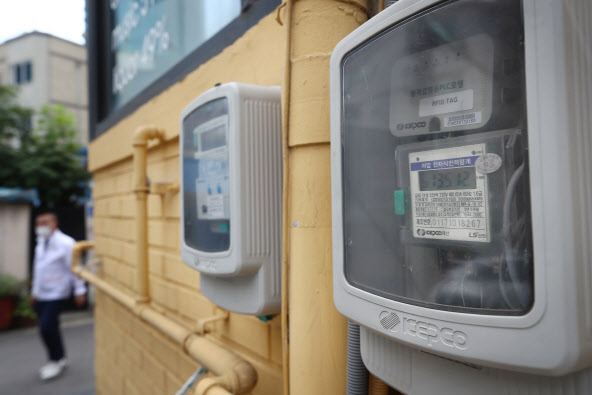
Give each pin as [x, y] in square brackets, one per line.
[317, 348]
[130, 356]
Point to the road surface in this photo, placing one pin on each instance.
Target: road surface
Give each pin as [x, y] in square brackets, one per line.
[22, 354]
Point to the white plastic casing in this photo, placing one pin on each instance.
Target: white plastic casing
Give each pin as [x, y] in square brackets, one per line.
[555, 337]
[245, 278]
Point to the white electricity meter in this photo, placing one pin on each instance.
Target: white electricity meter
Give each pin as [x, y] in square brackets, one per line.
[462, 194]
[231, 166]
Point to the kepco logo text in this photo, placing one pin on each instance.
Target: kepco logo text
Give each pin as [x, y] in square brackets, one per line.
[412, 125]
[428, 332]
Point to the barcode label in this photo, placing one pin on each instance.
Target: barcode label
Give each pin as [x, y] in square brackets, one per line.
[462, 119]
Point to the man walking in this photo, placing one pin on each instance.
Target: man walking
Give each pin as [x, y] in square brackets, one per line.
[52, 286]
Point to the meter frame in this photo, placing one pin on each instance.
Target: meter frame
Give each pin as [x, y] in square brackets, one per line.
[508, 342]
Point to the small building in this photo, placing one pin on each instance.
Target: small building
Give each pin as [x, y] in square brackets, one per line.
[48, 70]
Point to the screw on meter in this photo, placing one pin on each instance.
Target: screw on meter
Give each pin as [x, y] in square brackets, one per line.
[444, 88]
[449, 198]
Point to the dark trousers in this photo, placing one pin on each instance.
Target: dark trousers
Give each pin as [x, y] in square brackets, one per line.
[48, 316]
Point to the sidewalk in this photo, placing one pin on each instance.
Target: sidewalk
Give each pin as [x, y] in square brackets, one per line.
[22, 354]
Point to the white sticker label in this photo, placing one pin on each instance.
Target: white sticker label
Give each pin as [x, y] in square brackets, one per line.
[215, 204]
[443, 104]
[488, 163]
[449, 199]
[471, 118]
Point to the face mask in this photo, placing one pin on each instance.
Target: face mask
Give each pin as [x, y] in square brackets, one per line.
[43, 231]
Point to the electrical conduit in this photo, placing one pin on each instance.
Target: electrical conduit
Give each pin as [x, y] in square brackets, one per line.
[357, 375]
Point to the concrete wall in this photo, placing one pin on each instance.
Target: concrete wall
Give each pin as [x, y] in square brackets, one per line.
[14, 239]
[68, 81]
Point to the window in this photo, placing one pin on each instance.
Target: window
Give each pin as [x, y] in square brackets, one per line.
[137, 48]
[22, 72]
[148, 37]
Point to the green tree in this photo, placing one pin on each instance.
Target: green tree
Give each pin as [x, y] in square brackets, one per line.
[47, 159]
[15, 120]
[15, 128]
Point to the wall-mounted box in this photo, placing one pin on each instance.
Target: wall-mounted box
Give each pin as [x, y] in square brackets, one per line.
[231, 164]
[460, 133]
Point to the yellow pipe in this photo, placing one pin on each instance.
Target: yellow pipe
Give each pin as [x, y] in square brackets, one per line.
[78, 249]
[317, 331]
[171, 329]
[234, 375]
[377, 387]
[286, 227]
[211, 385]
[126, 300]
[81, 246]
[239, 379]
[201, 328]
[140, 143]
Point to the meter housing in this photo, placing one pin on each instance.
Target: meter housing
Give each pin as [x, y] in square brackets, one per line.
[461, 195]
[230, 142]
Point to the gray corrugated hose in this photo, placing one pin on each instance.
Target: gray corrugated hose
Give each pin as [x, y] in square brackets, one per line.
[357, 375]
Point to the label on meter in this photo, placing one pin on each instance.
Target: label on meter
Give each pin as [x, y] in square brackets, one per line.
[448, 196]
[212, 185]
[445, 88]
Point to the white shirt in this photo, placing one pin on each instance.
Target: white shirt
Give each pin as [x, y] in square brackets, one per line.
[52, 278]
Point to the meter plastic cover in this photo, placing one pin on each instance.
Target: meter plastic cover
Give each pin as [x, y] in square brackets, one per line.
[206, 178]
[436, 199]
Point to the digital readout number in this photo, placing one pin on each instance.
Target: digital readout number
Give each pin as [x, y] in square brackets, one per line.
[448, 179]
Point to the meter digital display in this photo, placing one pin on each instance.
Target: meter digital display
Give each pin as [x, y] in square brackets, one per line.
[443, 88]
[448, 198]
[449, 179]
[215, 138]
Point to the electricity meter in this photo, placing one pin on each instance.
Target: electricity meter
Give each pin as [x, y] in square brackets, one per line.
[231, 165]
[461, 195]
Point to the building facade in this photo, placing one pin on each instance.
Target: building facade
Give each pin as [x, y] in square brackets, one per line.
[143, 73]
[48, 70]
